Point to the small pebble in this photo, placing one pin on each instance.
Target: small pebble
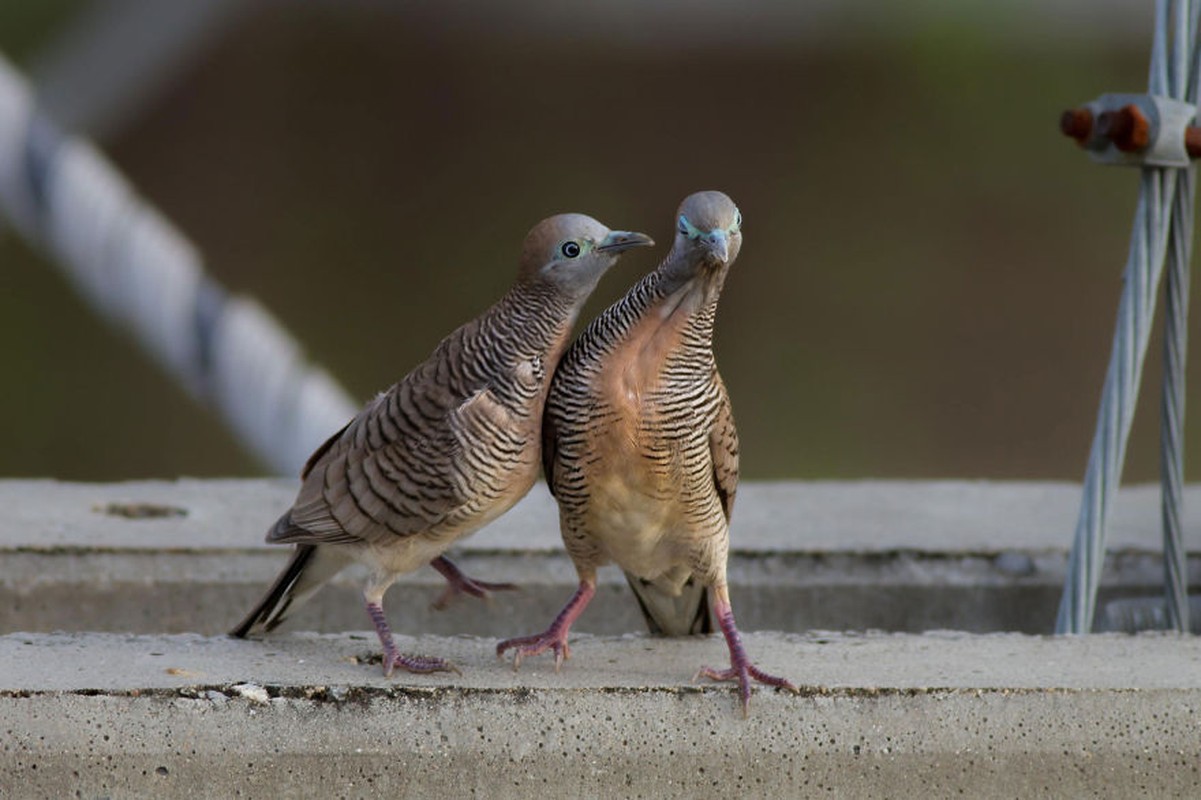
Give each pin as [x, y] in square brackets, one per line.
[252, 692]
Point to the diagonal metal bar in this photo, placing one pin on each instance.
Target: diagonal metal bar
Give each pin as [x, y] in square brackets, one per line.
[113, 58]
[132, 264]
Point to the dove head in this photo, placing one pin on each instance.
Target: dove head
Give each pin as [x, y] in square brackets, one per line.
[572, 251]
[708, 230]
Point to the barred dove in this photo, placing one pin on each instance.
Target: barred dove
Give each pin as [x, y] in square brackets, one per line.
[640, 449]
[449, 448]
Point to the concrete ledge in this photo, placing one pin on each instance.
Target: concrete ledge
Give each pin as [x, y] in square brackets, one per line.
[187, 556]
[308, 714]
[880, 716]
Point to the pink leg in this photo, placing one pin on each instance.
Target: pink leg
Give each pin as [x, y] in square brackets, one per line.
[458, 583]
[741, 669]
[392, 656]
[554, 637]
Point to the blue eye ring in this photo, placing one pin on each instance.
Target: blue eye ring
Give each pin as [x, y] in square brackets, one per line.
[688, 229]
[570, 249]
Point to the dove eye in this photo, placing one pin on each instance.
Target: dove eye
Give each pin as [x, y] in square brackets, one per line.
[688, 229]
[570, 249]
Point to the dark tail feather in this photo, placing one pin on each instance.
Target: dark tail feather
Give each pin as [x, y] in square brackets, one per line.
[673, 615]
[309, 568]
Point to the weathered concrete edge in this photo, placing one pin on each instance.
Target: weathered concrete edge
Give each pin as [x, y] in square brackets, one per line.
[803, 554]
[651, 744]
[878, 715]
[961, 516]
[123, 663]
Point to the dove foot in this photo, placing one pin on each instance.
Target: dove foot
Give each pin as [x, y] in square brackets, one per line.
[553, 638]
[419, 664]
[457, 583]
[393, 657]
[741, 669]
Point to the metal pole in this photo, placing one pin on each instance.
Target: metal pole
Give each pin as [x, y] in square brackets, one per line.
[134, 266]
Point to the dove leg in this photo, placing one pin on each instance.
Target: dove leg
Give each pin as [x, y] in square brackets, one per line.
[393, 657]
[741, 669]
[457, 583]
[555, 637]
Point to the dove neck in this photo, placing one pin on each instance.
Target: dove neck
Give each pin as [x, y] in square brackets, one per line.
[532, 319]
[685, 297]
[669, 316]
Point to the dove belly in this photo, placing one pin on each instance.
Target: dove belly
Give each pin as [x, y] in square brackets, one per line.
[637, 527]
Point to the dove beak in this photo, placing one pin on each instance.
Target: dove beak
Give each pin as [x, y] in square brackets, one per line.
[718, 245]
[620, 241]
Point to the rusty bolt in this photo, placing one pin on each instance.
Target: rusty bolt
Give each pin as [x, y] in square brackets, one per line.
[1192, 141]
[1127, 128]
[1077, 123]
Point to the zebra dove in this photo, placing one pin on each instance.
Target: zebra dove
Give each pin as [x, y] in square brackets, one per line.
[640, 449]
[449, 448]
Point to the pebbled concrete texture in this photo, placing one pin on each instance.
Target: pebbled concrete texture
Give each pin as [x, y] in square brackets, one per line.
[879, 715]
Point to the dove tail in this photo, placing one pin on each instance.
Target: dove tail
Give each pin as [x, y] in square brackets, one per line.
[684, 614]
[307, 571]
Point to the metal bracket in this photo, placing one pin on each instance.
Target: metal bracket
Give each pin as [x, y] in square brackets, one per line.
[1135, 130]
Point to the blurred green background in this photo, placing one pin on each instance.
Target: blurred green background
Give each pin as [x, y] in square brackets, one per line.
[929, 277]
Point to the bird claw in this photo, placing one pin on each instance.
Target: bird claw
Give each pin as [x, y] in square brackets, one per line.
[536, 645]
[417, 664]
[554, 637]
[470, 586]
[743, 673]
[457, 583]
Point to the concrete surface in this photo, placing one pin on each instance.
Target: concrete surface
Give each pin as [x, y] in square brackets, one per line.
[782, 516]
[1001, 715]
[889, 555]
[128, 714]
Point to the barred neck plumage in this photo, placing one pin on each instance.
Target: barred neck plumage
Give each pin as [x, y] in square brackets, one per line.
[664, 284]
[530, 316]
[530, 324]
